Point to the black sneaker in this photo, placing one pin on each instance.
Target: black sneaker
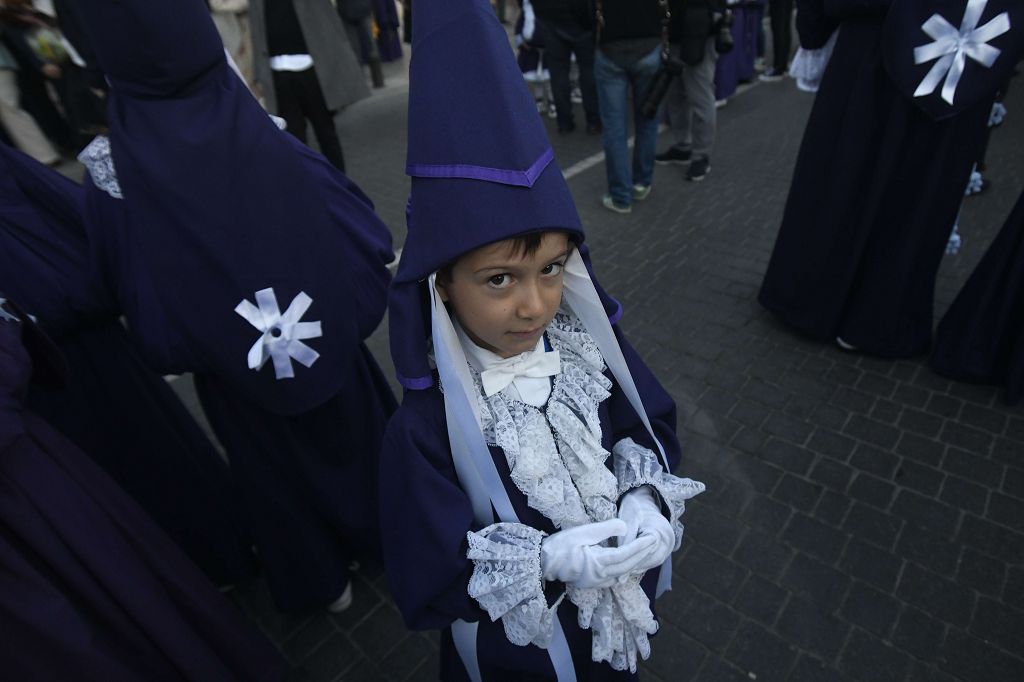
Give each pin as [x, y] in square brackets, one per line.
[698, 169]
[673, 156]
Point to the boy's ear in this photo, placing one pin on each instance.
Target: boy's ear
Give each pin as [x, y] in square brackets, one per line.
[441, 290]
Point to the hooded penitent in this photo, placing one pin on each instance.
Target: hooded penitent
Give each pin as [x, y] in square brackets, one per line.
[482, 172]
[236, 250]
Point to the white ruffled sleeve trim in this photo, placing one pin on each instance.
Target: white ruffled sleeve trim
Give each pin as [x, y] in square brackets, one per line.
[636, 466]
[99, 162]
[507, 581]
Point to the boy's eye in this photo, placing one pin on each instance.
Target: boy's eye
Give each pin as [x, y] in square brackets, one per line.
[553, 269]
[499, 281]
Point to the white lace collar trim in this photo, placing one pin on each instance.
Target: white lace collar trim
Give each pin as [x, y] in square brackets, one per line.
[554, 452]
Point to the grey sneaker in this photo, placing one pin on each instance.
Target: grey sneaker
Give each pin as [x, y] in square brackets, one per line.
[613, 205]
[771, 76]
[699, 168]
[641, 192]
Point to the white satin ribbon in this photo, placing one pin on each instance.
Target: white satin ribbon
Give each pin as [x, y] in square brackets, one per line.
[535, 364]
[952, 47]
[282, 334]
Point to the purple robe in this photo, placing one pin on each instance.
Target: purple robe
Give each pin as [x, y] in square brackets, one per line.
[117, 410]
[389, 42]
[981, 336]
[90, 588]
[425, 515]
[737, 65]
[877, 184]
[218, 204]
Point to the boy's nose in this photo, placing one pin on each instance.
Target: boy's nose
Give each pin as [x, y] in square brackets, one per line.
[531, 305]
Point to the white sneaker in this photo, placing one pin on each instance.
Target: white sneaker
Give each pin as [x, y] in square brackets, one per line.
[343, 602]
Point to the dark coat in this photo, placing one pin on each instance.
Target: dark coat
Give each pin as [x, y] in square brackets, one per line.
[341, 78]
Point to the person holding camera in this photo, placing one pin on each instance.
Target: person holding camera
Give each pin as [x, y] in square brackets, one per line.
[629, 55]
[693, 34]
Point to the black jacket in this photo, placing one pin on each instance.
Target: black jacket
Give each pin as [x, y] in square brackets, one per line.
[692, 23]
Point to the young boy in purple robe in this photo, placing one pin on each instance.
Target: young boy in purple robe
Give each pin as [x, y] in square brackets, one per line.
[528, 506]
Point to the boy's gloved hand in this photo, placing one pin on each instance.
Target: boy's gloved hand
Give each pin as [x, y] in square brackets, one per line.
[575, 555]
[641, 513]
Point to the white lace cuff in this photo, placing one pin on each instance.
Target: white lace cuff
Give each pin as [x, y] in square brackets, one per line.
[636, 465]
[507, 581]
[99, 162]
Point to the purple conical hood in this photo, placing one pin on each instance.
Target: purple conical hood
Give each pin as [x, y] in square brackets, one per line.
[481, 164]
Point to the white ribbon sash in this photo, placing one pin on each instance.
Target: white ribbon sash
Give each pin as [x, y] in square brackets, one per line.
[952, 47]
[282, 334]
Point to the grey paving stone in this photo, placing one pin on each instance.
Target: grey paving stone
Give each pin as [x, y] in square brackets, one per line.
[993, 539]
[811, 628]
[869, 659]
[761, 653]
[875, 566]
[925, 512]
[873, 460]
[870, 609]
[760, 599]
[970, 658]
[872, 525]
[810, 669]
[919, 634]
[981, 572]
[930, 592]
[934, 552]
[919, 478]
[833, 474]
[814, 538]
[712, 572]
[797, 492]
[832, 508]
[816, 581]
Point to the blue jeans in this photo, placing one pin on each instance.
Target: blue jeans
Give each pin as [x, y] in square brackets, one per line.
[613, 84]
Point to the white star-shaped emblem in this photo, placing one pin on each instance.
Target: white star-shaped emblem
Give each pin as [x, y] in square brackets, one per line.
[282, 334]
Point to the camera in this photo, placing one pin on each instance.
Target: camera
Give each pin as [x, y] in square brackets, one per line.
[670, 68]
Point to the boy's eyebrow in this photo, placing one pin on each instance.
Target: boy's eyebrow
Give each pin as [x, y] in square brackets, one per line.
[509, 266]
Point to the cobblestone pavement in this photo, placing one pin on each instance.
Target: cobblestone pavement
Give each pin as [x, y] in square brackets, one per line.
[864, 519]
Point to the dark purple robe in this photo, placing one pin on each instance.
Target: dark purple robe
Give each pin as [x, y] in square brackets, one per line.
[981, 336]
[737, 65]
[90, 588]
[425, 515]
[389, 42]
[219, 204]
[877, 185]
[117, 410]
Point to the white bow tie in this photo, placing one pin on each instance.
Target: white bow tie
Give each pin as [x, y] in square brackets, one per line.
[533, 365]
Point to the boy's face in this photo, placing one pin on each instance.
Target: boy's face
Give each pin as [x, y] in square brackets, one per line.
[505, 300]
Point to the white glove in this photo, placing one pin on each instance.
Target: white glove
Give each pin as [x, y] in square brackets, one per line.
[641, 513]
[575, 555]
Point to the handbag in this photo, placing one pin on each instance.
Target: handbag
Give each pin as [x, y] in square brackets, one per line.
[670, 68]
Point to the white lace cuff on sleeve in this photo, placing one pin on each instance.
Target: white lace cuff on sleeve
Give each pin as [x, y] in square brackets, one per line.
[507, 581]
[636, 465]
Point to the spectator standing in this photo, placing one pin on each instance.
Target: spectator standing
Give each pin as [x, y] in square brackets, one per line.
[231, 17]
[629, 48]
[18, 123]
[691, 97]
[567, 29]
[357, 17]
[305, 67]
[781, 19]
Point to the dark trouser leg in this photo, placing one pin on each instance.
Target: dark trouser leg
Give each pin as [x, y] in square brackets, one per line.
[289, 103]
[583, 46]
[782, 19]
[557, 55]
[321, 119]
